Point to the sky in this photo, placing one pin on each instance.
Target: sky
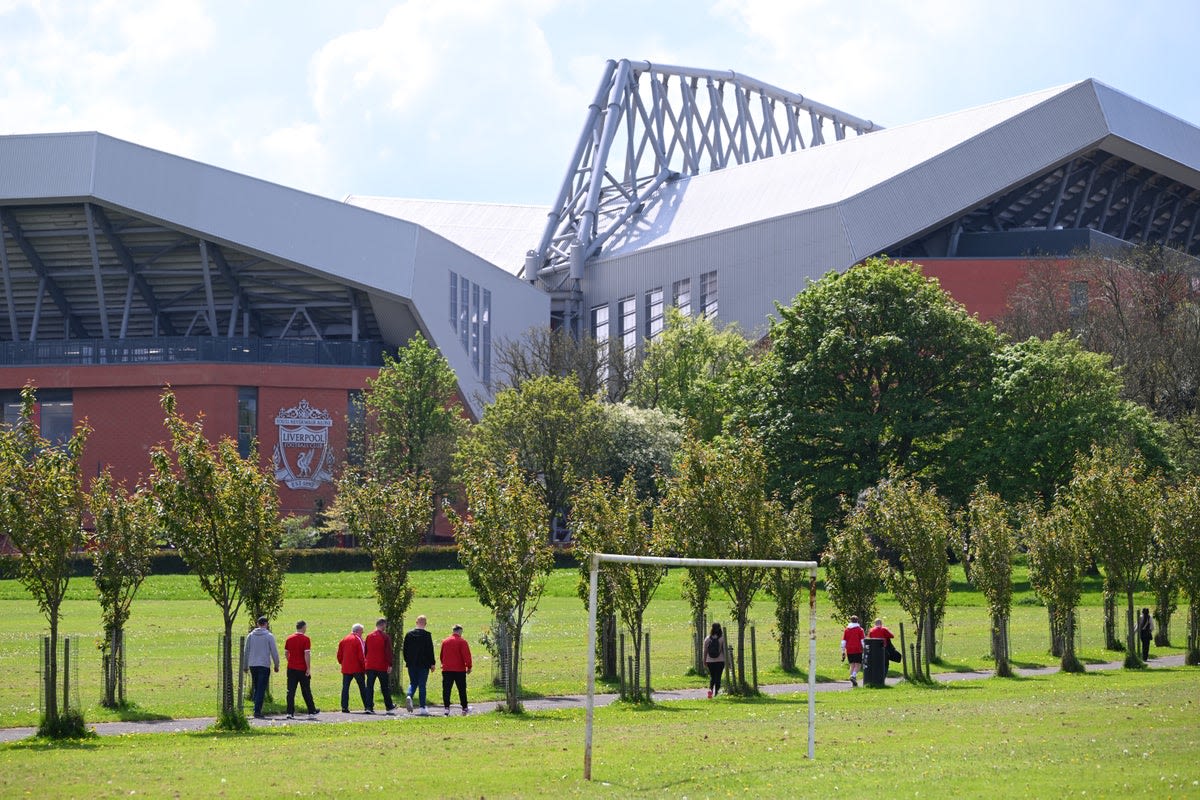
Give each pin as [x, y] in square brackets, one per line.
[484, 100]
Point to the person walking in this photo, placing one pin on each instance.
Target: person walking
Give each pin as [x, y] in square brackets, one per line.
[714, 658]
[419, 659]
[1145, 629]
[352, 655]
[456, 665]
[852, 647]
[298, 650]
[379, 666]
[259, 655]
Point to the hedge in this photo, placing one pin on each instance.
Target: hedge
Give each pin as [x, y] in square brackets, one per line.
[324, 559]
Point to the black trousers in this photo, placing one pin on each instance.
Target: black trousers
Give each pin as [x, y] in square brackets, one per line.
[458, 679]
[715, 668]
[384, 684]
[1146, 647]
[357, 677]
[296, 677]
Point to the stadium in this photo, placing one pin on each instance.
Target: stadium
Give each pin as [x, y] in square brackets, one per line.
[126, 269]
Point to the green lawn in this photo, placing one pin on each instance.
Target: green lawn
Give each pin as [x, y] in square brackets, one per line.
[173, 632]
[1103, 734]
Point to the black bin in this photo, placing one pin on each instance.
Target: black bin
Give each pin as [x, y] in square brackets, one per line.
[875, 662]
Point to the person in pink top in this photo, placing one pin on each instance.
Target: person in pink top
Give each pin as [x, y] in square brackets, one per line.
[852, 647]
[456, 665]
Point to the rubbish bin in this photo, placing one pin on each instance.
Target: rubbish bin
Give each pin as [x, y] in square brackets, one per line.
[875, 662]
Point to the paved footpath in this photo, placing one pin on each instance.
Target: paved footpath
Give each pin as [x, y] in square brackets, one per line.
[545, 703]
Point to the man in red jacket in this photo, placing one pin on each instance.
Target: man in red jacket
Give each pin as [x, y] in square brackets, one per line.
[379, 666]
[852, 647]
[456, 664]
[351, 654]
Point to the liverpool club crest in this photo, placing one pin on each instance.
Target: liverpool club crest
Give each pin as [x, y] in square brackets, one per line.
[302, 457]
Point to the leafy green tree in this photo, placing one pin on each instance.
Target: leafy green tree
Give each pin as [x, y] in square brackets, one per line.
[871, 371]
[502, 545]
[785, 586]
[1179, 533]
[389, 518]
[993, 545]
[913, 526]
[41, 512]
[124, 538]
[853, 570]
[221, 512]
[1163, 577]
[558, 438]
[1114, 501]
[1052, 400]
[619, 521]
[689, 370]
[717, 506]
[1057, 549]
[641, 440]
[696, 588]
[415, 417]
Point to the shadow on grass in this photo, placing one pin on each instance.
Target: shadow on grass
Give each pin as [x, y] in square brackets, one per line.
[41, 743]
[132, 712]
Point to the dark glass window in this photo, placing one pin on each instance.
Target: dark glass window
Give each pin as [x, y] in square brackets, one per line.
[247, 420]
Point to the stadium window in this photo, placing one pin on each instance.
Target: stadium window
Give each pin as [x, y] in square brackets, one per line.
[627, 309]
[654, 312]
[454, 302]
[487, 338]
[464, 301]
[247, 419]
[54, 413]
[681, 296]
[475, 325]
[600, 324]
[708, 295]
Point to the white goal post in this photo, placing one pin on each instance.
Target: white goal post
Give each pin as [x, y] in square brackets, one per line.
[665, 561]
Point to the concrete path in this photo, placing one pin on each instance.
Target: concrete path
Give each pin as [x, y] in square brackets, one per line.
[193, 724]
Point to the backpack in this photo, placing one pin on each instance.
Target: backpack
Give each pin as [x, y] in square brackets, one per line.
[714, 647]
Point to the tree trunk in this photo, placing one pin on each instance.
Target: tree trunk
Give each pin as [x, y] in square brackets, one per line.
[51, 676]
[111, 667]
[511, 700]
[227, 704]
[1000, 646]
[788, 616]
[919, 675]
[1164, 602]
[1069, 662]
[743, 688]
[1056, 633]
[1192, 657]
[1111, 642]
[635, 680]
[699, 634]
[1132, 657]
[395, 681]
[608, 648]
[931, 653]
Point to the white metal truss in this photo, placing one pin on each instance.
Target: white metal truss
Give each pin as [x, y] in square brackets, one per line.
[650, 124]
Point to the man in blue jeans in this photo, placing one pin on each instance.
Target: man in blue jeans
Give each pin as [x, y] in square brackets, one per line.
[259, 654]
[419, 658]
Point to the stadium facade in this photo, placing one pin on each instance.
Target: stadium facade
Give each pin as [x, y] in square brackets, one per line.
[125, 269]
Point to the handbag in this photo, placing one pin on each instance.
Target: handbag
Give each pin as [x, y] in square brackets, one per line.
[892, 653]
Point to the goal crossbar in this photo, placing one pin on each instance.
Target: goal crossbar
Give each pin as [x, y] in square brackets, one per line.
[670, 561]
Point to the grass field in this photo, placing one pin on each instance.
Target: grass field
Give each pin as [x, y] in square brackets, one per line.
[173, 632]
[1102, 734]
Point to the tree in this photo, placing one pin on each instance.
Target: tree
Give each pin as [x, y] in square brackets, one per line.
[1050, 401]
[41, 512]
[913, 526]
[502, 545]
[1179, 534]
[993, 545]
[415, 418]
[717, 506]
[871, 371]
[640, 441]
[556, 434]
[1057, 549]
[786, 585]
[689, 370]
[608, 520]
[389, 518]
[221, 512]
[1163, 578]
[124, 538]
[853, 571]
[597, 367]
[1114, 501]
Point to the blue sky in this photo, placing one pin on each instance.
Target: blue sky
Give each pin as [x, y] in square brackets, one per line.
[484, 99]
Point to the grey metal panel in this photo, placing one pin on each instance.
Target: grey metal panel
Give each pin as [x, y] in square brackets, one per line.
[1163, 142]
[46, 165]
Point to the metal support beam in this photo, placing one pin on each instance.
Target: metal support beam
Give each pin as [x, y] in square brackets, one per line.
[131, 268]
[210, 305]
[8, 292]
[72, 326]
[94, 251]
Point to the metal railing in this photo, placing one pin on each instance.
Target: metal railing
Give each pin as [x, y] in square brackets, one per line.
[172, 349]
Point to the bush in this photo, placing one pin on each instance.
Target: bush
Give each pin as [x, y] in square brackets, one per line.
[69, 725]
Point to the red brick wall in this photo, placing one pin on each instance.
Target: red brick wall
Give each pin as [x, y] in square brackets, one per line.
[983, 285]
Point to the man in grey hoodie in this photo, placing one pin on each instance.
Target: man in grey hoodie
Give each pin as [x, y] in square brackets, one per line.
[260, 653]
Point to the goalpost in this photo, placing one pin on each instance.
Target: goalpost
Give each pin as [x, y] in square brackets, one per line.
[665, 561]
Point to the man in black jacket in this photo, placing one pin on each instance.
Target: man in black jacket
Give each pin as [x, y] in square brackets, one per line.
[419, 659]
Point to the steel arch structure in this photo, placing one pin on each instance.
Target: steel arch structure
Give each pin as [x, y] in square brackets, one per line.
[650, 124]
